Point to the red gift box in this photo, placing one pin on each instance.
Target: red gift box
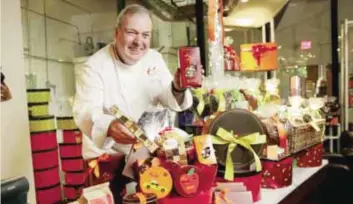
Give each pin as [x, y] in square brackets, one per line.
[70, 150]
[72, 136]
[72, 192]
[107, 166]
[45, 159]
[190, 67]
[75, 178]
[46, 177]
[231, 59]
[50, 194]
[72, 164]
[43, 140]
[277, 174]
[203, 197]
[310, 157]
[252, 182]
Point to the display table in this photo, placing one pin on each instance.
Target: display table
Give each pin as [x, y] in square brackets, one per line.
[304, 181]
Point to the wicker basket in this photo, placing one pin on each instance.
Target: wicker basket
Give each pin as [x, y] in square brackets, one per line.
[302, 136]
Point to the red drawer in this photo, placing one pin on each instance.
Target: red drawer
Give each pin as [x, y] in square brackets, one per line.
[72, 136]
[45, 159]
[72, 192]
[43, 140]
[72, 164]
[46, 177]
[48, 195]
[70, 150]
[75, 178]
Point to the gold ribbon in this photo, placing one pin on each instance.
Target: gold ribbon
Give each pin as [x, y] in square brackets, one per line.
[225, 137]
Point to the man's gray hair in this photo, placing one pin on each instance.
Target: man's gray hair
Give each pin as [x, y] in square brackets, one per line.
[131, 9]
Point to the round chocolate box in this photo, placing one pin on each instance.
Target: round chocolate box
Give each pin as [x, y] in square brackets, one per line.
[241, 122]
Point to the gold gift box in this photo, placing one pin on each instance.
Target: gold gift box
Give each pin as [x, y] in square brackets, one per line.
[38, 109]
[258, 57]
[38, 95]
[66, 123]
[41, 124]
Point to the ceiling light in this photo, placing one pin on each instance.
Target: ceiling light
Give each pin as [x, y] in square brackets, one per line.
[243, 21]
[244, 1]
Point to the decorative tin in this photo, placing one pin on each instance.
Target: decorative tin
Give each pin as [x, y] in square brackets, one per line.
[38, 95]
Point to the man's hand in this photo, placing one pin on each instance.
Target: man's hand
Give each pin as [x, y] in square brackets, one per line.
[120, 133]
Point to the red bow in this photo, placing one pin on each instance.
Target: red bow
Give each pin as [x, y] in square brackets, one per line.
[258, 50]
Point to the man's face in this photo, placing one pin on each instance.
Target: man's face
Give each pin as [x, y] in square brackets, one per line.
[133, 37]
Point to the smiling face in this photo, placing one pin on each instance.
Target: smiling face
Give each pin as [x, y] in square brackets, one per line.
[133, 37]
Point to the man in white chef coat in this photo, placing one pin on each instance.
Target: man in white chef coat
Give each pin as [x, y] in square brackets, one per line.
[126, 73]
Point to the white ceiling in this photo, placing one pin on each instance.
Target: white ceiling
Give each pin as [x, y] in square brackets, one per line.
[254, 13]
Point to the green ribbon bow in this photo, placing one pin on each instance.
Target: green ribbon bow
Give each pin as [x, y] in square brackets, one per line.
[225, 137]
[221, 100]
[200, 95]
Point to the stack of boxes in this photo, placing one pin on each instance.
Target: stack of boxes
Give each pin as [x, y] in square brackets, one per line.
[72, 163]
[44, 147]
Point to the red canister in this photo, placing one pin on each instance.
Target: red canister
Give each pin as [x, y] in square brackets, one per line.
[72, 136]
[43, 140]
[70, 150]
[45, 159]
[72, 164]
[51, 194]
[72, 192]
[46, 177]
[75, 177]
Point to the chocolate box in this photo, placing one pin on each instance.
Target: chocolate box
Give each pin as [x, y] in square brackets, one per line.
[45, 159]
[38, 95]
[72, 136]
[46, 177]
[190, 67]
[277, 174]
[258, 57]
[51, 194]
[72, 164]
[72, 192]
[75, 177]
[41, 124]
[43, 140]
[70, 150]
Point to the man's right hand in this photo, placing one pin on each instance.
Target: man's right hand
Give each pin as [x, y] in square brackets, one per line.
[120, 133]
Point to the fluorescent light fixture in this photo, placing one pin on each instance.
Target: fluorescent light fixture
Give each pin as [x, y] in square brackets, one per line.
[228, 29]
[244, 1]
[244, 21]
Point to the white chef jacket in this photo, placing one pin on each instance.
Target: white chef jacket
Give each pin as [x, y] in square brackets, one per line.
[104, 81]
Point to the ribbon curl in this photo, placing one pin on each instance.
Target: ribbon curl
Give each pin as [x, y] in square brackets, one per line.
[225, 137]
